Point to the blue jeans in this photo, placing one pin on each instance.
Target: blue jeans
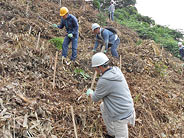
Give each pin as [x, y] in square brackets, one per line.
[112, 16]
[114, 48]
[66, 42]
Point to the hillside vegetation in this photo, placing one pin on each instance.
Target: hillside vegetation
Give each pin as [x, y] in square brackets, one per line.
[31, 107]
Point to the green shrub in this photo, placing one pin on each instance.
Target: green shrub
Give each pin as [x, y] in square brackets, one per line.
[146, 29]
[102, 19]
[82, 73]
[57, 42]
[96, 4]
[138, 42]
[161, 68]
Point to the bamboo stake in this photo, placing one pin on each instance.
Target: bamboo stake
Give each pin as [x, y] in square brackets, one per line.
[38, 41]
[60, 3]
[120, 62]
[14, 124]
[54, 79]
[75, 129]
[30, 30]
[27, 9]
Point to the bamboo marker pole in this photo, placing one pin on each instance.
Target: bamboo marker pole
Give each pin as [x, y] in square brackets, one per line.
[30, 30]
[27, 9]
[120, 62]
[54, 79]
[38, 41]
[60, 3]
[75, 129]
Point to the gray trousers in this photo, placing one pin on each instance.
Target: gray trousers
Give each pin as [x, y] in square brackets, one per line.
[118, 128]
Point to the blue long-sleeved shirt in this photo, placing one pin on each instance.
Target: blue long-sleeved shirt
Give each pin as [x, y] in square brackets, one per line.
[70, 23]
[107, 36]
[181, 51]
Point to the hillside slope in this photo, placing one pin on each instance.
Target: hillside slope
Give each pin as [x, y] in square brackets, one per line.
[30, 107]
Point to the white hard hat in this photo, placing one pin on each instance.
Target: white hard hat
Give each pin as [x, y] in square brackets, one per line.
[179, 43]
[94, 26]
[99, 59]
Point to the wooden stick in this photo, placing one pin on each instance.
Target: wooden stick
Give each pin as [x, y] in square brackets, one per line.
[75, 129]
[120, 62]
[55, 69]
[30, 30]
[27, 9]
[93, 81]
[94, 77]
[60, 3]
[38, 41]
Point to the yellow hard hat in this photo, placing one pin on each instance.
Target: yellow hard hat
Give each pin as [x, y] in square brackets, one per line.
[63, 11]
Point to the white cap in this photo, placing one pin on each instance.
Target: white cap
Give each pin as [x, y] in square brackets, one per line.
[94, 26]
[179, 43]
[99, 59]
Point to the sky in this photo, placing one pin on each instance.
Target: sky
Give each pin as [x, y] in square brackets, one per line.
[165, 12]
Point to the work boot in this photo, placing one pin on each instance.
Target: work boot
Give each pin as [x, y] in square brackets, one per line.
[108, 136]
[64, 61]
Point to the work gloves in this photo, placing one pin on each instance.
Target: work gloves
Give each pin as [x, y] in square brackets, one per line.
[89, 91]
[54, 25]
[70, 35]
[105, 51]
[94, 50]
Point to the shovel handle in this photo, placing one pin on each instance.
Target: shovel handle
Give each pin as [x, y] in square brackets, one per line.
[94, 77]
[93, 81]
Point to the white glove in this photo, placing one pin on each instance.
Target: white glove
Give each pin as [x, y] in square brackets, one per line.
[89, 91]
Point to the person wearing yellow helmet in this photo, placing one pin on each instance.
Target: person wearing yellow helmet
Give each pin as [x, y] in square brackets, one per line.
[70, 22]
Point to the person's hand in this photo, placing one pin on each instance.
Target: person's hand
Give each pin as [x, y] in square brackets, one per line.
[89, 91]
[54, 25]
[70, 35]
[94, 50]
[105, 51]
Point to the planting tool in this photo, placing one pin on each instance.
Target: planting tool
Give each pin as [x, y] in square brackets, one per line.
[44, 20]
[94, 77]
[120, 62]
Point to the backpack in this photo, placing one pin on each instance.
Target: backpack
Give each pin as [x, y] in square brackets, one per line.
[112, 29]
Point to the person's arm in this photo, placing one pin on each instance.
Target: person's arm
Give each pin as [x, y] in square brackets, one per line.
[76, 25]
[106, 38]
[96, 44]
[182, 52]
[101, 91]
[61, 24]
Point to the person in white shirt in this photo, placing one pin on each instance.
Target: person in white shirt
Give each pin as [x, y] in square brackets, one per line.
[111, 11]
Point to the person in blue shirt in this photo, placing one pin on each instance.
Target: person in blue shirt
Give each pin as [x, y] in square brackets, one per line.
[181, 50]
[109, 39]
[70, 22]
